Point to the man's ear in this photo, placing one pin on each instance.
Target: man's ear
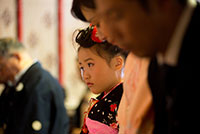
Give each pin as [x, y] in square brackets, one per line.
[117, 63]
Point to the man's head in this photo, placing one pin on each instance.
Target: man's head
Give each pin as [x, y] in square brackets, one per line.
[142, 26]
[77, 6]
[8, 46]
[10, 59]
[85, 10]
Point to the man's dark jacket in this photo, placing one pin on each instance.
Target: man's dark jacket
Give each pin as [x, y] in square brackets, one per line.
[176, 89]
[38, 107]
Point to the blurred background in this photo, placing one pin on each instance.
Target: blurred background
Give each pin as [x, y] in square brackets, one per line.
[46, 27]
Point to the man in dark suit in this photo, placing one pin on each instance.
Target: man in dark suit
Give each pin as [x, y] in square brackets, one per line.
[32, 101]
[168, 32]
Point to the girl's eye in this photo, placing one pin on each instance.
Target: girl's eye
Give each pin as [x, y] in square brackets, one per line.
[90, 64]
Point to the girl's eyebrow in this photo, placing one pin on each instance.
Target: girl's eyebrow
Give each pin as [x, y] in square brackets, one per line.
[86, 60]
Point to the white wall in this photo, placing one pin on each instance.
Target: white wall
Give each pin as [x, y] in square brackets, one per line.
[40, 32]
[7, 18]
[40, 37]
[73, 84]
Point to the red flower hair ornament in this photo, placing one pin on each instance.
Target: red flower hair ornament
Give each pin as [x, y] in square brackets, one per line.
[88, 37]
[94, 36]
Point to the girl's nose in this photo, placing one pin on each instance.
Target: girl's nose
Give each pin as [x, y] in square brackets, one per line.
[85, 75]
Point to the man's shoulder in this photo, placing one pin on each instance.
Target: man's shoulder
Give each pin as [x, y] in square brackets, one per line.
[38, 78]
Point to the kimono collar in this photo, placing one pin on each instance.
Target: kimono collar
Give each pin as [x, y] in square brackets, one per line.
[104, 94]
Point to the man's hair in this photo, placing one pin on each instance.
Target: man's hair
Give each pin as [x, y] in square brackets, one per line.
[145, 4]
[76, 8]
[8, 45]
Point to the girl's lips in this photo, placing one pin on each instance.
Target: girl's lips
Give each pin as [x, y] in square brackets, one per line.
[89, 84]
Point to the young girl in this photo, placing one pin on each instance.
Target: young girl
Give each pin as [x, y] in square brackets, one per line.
[101, 65]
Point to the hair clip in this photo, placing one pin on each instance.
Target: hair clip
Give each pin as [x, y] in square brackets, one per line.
[88, 37]
[94, 36]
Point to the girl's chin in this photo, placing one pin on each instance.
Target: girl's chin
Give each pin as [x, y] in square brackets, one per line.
[94, 91]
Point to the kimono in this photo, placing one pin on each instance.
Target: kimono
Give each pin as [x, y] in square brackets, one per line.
[101, 116]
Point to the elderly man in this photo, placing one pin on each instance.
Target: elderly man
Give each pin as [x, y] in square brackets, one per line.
[168, 32]
[32, 101]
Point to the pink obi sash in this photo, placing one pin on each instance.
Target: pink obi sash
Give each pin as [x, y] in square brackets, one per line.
[96, 127]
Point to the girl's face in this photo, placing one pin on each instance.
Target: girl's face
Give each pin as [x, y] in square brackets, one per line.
[96, 72]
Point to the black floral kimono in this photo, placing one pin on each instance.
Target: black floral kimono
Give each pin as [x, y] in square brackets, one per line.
[102, 113]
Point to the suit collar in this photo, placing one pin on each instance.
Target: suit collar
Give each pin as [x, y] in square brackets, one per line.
[22, 72]
[172, 53]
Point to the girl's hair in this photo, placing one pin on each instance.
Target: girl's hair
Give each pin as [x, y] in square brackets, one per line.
[87, 38]
[76, 8]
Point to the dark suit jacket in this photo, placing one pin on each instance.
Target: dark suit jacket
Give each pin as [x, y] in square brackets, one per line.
[38, 107]
[175, 89]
